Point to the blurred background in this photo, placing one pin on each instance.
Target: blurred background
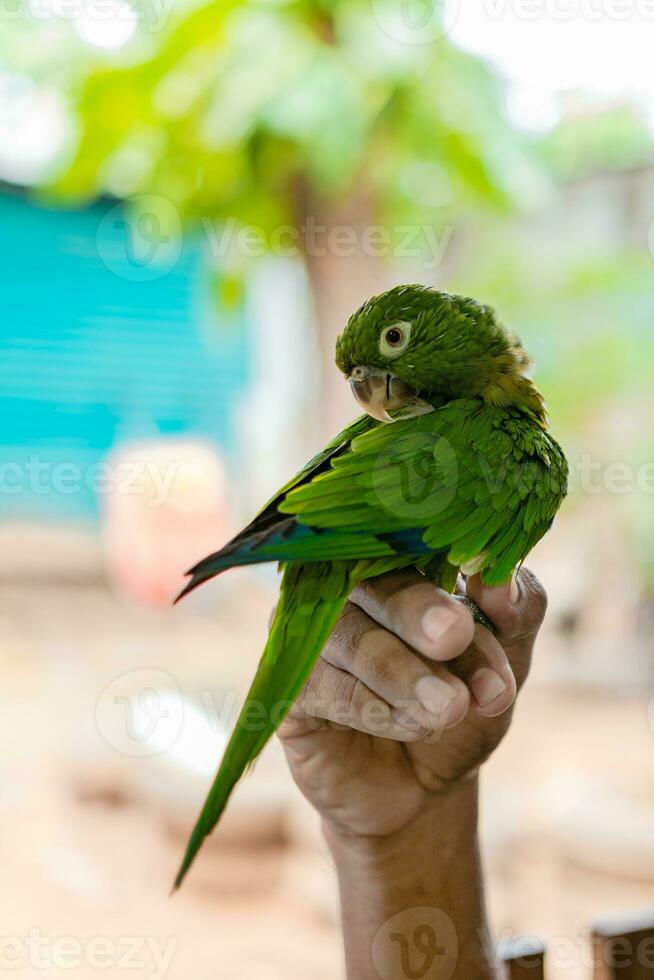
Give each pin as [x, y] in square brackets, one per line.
[194, 197]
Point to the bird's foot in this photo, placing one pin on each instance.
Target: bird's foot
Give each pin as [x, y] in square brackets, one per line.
[476, 613]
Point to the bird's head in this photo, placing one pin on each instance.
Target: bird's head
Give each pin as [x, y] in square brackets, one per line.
[412, 349]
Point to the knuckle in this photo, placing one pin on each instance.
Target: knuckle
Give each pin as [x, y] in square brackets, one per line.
[346, 636]
[342, 688]
[357, 636]
[374, 714]
[341, 706]
[534, 597]
[380, 651]
[312, 685]
[405, 606]
[429, 778]
[361, 590]
[328, 693]
[382, 590]
[359, 695]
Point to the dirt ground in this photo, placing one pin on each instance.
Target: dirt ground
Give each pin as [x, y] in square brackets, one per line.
[93, 828]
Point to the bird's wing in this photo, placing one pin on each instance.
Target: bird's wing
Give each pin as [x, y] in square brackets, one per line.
[479, 483]
[269, 526]
[482, 483]
[322, 460]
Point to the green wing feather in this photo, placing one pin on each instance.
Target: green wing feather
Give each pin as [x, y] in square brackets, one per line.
[311, 600]
[480, 482]
[339, 444]
[268, 519]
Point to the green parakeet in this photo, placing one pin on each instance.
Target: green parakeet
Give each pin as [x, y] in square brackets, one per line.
[465, 477]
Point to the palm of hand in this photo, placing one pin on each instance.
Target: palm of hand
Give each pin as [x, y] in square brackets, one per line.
[373, 785]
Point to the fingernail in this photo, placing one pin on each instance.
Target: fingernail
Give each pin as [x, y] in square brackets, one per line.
[436, 696]
[486, 685]
[437, 621]
[514, 592]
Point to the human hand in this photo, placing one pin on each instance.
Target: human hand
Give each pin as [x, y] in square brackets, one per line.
[408, 698]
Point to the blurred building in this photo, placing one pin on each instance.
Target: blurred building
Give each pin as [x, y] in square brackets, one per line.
[102, 347]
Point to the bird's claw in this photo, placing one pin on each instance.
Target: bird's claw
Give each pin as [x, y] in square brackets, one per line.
[476, 613]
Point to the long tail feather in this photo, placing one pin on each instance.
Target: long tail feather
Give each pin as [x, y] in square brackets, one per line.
[311, 600]
[287, 540]
[240, 551]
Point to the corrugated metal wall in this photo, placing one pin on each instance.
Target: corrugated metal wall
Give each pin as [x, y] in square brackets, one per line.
[90, 358]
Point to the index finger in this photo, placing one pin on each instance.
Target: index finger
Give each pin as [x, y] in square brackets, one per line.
[416, 610]
[516, 610]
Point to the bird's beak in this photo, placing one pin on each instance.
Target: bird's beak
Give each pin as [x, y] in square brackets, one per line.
[378, 392]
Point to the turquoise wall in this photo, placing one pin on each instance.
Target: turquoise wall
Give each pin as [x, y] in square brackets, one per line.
[93, 354]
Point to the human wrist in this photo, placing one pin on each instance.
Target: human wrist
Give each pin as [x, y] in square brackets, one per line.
[423, 880]
[447, 816]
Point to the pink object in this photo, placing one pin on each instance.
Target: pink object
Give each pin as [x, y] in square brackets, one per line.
[164, 507]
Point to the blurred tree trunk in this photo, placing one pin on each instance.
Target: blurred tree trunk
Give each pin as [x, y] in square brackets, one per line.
[341, 276]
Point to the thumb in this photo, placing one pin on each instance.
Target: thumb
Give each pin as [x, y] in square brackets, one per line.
[516, 609]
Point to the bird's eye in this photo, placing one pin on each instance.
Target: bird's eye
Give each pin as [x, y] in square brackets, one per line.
[394, 339]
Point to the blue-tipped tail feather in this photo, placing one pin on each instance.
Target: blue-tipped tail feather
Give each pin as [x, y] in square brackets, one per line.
[289, 541]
